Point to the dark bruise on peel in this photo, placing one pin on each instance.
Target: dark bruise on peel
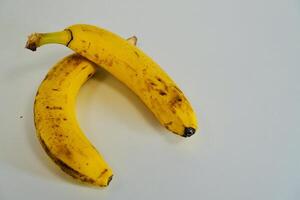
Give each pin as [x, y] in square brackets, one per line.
[77, 59]
[64, 150]
[66, 168]
[162, 93]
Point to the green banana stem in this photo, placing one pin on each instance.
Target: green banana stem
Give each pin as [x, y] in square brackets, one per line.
[36, 40]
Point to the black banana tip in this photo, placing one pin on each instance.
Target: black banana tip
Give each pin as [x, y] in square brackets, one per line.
[188, 131]
[109, 179]
[31, 46]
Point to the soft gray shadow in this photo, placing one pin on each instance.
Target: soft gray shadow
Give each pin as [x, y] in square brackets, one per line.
[105, 78]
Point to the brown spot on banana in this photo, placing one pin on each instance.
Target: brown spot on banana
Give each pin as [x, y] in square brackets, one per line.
[168, 124]
[137, 54]
[153, 84]
[61, 82]
[176, 101]
[149, 85]
[55, 126]
[76, 60]
[163, 83]
[54, 107]
[102, 173]
[162, 93]
[144, 71]
[64, 150]
[84, 67]
[66, 168]
[109, 62]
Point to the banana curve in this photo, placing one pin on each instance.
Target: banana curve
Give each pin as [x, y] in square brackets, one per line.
[57, 127]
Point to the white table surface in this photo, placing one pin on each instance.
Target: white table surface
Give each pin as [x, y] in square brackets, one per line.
[237, 61]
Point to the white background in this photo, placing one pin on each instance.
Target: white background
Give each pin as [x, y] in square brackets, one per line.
[237, 61]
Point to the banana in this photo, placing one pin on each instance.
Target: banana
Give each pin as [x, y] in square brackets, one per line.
[56, 124]
[132, 67]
